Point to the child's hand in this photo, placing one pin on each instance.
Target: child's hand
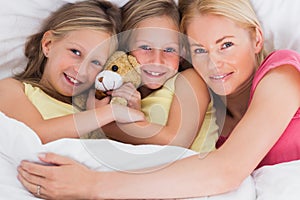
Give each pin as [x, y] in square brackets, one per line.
[129, 92]
[124, 114]
[92, 102]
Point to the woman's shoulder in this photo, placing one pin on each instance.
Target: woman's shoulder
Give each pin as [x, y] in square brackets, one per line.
[283, 56]
[274, 62]
[280, 52]
[279, 58]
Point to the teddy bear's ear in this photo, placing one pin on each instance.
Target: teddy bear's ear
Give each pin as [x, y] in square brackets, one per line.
[115, 56]
[133, 62]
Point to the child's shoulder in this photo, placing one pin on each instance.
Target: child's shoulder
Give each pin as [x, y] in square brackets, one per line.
[188, 72]
[189, 75]
[10, 83]
[190, 78]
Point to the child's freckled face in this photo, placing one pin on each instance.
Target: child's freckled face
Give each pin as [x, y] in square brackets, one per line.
[73, 63]
[155, 44]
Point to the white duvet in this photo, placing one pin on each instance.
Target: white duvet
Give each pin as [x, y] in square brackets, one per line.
[18, 142]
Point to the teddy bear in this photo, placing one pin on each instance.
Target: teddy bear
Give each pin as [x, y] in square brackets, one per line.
[118, 69]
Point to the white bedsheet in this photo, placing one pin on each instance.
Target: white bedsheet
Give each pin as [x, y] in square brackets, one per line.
[18, 142]
[278, 182]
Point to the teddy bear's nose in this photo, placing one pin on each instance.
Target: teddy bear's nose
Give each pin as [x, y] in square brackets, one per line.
[100, 79]
[114, 68]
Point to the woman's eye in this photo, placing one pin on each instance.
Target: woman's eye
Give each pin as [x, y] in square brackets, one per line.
[145, 47]
[199, 51]
[226, 45]
[76, 52]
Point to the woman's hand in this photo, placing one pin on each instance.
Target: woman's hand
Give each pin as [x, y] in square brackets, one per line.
[64, 179]
[129, 92]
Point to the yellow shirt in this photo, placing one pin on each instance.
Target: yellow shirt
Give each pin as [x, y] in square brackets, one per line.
[156, 108]
[47, 106]
[207, 137]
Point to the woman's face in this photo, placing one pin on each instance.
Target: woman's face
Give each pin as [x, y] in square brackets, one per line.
[74, 61]
[222, 52]
[155, 44]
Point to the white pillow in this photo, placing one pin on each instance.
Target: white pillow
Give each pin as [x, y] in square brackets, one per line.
[278, 182]
[18, 20]
[281, 23]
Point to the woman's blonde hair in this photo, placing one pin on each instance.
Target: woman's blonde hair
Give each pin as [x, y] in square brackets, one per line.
[239, 11]
[96, 15]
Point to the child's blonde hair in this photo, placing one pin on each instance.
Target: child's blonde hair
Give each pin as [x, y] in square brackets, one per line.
[96, 15]
[135, 11]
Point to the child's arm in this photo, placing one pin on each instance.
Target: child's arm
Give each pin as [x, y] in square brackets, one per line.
[14, 103]
[186, 114]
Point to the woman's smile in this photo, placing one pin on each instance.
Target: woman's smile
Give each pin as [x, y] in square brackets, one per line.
[220, 77]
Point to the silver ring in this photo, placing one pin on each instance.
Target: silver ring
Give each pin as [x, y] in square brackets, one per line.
[38, 190]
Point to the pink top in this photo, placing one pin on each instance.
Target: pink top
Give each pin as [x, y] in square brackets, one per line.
[287, 148]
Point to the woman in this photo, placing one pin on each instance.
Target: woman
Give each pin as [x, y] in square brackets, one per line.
[228, 54]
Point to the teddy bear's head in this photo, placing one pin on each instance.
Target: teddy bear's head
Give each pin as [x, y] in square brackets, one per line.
[118, 69]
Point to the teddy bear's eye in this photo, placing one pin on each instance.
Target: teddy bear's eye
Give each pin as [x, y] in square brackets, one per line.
[114, 68]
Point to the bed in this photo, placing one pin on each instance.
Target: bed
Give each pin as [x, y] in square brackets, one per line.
[19, 19]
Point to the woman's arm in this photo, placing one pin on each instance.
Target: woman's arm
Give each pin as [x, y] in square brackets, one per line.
[221, 171]
[274, 103]
[14, 103]
[185, 117]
